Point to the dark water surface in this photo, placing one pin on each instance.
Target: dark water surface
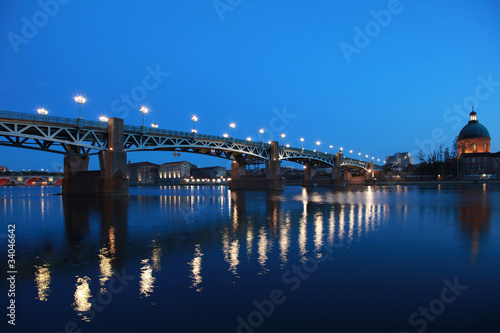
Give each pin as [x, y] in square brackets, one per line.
[208, 259]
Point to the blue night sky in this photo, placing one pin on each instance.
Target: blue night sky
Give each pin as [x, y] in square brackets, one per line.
[376, 77]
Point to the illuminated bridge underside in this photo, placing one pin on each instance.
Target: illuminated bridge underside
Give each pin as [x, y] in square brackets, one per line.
[54, 138]
[77, 136]
[200, 144]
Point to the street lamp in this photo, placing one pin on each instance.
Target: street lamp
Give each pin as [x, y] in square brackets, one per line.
[80, 100]
[261, 131]
[331, 147]
[302, 142]
[232, 125]
[143, 110]
[42, 111]
[104, 119]
[225, 135]
[154, 125]
[194, 119]
[283, 136]
[318, 143]
[249, 139]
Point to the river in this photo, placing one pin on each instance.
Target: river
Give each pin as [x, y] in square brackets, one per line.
[202, 258]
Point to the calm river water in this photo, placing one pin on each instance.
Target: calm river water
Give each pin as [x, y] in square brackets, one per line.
[399, 258]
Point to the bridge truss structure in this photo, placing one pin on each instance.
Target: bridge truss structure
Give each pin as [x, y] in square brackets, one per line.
[83, 137]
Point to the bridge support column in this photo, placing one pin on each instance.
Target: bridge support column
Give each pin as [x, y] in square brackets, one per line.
[369, 174]
[338, 180]
[273, 167]
[308, 174]
[272, 180]
[347, 177]
[238, 169]
[111, 179]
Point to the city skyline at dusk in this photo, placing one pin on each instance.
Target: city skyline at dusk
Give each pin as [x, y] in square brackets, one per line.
[375, 78]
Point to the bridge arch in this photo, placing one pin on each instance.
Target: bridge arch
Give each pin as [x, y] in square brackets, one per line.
[58, 182]
[7, 181]
[31, 180]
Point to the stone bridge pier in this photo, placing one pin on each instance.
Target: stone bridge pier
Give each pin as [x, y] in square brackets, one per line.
[335, 179]
[272, 180]
[111, 179]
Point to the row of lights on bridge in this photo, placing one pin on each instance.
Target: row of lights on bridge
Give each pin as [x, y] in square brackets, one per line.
[143, 109]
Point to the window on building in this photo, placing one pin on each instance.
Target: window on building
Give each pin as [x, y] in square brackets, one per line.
[468, 160]
[473, 160]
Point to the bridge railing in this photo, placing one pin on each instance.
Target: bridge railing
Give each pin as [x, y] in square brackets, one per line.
[52, 119]
[139, 129]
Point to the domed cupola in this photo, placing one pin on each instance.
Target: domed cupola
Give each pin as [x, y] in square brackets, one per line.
[474, 137]
[473, 130]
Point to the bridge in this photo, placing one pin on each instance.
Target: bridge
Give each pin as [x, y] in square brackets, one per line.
[78, 139]
[30, 179]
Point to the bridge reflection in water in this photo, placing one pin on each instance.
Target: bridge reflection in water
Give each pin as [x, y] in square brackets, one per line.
[192, 219]
[181, 240]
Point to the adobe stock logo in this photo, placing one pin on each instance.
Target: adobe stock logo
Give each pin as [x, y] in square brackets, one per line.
[437, 306]
[149, 82]
[222, 6]
[40, 19]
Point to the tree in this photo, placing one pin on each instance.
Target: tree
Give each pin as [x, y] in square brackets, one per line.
[421, 156]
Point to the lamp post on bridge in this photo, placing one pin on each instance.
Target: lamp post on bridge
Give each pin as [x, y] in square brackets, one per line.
[80, 100]
[194, 119]
[318, 143]
[143, 110]
[283, 136]
[302, 142]
[261, 131]
[42, 111]
[232, 125]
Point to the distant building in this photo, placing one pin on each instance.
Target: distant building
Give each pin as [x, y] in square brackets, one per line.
[143, 172]
[176, 170]
[476, 159]
[3, 169]
[480, 165]
[399, 160]
[209, 172]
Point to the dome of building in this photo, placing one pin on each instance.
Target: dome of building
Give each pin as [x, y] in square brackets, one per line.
[473, 130]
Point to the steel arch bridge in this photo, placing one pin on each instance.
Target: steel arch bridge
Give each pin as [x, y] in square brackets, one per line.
[69, 136]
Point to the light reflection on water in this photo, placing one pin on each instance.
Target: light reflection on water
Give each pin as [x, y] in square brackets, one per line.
[42, 279]
[82, 296]
[212, 230]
